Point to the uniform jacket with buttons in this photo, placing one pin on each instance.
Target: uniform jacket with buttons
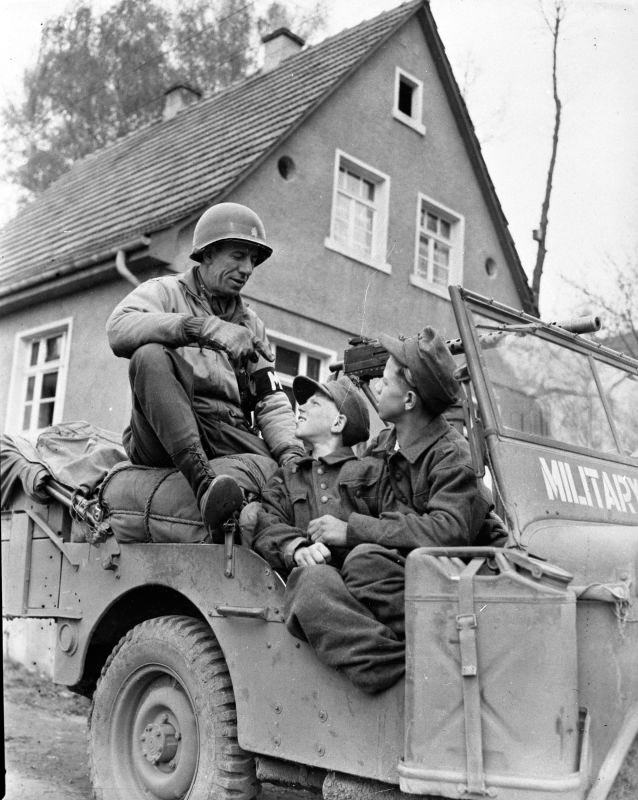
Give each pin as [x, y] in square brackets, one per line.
[339, 484]
[439, 502]
[158, 311]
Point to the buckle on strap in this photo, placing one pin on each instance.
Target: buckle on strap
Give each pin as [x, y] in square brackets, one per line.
[466, 622]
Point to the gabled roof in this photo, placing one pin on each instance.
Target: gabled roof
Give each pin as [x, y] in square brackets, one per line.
[170, 170]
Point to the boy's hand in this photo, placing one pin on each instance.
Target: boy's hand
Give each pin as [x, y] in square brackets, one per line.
[329, 530]
[313, 554]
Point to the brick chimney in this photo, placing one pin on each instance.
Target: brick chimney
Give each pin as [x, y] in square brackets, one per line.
[278, 45]
[177, 97]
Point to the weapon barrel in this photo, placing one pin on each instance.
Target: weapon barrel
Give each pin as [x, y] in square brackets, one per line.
[587, 324]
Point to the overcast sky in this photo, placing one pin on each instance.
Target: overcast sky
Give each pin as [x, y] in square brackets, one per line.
[501, 52]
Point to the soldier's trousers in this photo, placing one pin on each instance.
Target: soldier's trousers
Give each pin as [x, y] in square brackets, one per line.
[164, 418]
[354, 617]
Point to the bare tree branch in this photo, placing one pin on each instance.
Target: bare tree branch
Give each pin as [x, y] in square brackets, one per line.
[540, 234]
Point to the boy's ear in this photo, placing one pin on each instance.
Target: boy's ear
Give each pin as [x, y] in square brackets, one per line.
[338, 424]
[410, 400]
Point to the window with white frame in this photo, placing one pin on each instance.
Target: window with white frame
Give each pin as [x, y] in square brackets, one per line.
[38, 378]
[439, 248]
[359, 220]
[408, 100]
[295, 357]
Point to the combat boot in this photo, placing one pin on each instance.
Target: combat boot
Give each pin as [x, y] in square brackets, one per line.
[218, 496]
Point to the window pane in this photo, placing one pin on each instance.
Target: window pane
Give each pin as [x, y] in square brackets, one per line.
[441, 254]
[45, 415]
[54, 348]
[444, 230]
[352, 184]
[312, 368]
[49, 384]
[621, 391]
[367, 190]
[405, 97]
[26, 420]
[287, 361]
[30, 387]
[342, 178]
[548, 391]
[35, 347]
[432, 222]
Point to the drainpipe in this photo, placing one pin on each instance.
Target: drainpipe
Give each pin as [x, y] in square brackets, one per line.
[123, 270]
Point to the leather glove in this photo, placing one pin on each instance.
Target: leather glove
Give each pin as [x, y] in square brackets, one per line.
[238, 342]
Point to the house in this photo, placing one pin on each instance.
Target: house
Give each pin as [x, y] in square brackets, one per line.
[358, 154]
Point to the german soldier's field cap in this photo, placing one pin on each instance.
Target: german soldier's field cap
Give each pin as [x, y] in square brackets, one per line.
[431, 365]
[346, 397]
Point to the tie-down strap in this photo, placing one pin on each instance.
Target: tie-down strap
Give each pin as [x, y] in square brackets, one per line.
[467, 624]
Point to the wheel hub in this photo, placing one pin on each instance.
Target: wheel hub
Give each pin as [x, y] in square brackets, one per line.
[159, 741]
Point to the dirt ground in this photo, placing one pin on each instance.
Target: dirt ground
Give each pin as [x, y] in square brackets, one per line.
[45, 745]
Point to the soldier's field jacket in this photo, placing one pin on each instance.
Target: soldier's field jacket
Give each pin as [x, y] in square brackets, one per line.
[437, 500]
[160, 310]
[339, 484]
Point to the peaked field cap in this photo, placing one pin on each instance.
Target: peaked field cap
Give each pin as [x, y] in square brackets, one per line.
[431, 365]
[346, 397]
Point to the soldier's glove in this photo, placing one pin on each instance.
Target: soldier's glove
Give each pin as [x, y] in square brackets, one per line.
[238, 342]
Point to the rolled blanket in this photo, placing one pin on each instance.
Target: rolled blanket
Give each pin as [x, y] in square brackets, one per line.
[146, 504]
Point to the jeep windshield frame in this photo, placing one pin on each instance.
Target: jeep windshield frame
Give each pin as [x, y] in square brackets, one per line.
[542, 464]
[536, 382]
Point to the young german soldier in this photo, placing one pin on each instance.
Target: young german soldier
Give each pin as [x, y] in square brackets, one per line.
[354, 617]
[328, 480]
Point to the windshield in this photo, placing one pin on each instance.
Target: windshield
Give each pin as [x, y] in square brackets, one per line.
[546, 390]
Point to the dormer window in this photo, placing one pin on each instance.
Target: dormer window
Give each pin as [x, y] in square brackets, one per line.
[408, 100]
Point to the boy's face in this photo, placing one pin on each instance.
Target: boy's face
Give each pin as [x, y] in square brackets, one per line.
[315, 417]
[391, 391]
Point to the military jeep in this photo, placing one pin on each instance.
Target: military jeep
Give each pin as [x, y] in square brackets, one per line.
[521, 662]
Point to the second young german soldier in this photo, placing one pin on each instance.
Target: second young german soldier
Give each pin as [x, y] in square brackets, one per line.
[201, 364]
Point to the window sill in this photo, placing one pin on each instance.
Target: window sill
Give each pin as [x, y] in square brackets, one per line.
[331, 244]
[426, 286]
[419, 127]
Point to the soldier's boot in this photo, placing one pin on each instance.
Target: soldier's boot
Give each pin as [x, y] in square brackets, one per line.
[219, 496]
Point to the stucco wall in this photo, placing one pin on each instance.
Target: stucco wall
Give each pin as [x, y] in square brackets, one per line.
[303, 275]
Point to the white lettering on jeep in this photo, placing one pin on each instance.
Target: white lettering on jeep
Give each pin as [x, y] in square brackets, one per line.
[589, 487]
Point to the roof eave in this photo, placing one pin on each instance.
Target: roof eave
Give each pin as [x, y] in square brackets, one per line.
[466, 129]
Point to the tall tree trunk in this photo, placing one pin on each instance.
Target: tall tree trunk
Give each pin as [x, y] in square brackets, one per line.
[540, 235]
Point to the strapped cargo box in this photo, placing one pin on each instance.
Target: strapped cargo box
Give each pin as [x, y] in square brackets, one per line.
[491, 689]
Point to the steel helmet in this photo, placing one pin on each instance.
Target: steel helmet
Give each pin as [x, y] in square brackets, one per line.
[229, 222]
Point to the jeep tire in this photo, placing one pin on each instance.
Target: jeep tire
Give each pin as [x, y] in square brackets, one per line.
[163, 722]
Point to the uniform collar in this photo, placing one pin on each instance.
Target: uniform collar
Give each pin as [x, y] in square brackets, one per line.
[418, 443]
[338, 456]
[192, 281]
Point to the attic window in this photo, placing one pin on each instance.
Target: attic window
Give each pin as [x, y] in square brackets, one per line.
[408, 100]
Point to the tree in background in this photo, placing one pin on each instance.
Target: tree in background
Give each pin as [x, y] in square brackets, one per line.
[100, 77]
[617, 303]
[540, 233]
